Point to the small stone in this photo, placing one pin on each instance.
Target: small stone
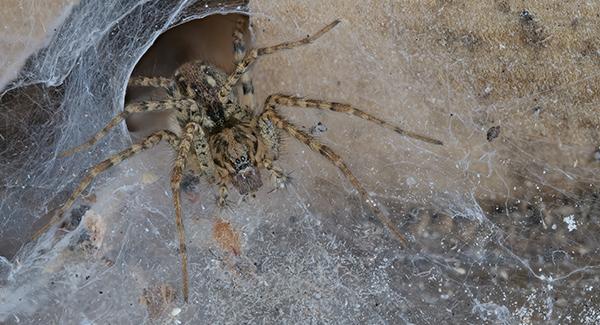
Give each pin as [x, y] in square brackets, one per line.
[493, 133]
[570, 221]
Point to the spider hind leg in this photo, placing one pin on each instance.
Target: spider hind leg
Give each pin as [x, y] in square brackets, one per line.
[147, 143]
[336, 160]
[176, 176]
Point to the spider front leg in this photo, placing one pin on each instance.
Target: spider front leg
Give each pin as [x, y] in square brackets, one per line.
[147, 143]
[279, 179]
[335, 159]
[147, 106]
[223, 201]
[243, 66]
[271, 138]
[291, 101]
[183, 150]
[204, 159]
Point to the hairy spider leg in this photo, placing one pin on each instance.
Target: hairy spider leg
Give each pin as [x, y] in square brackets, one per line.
[132, 108]
[244, 65]
[292, 101]
[147, 143]
[223, 195]
[157, 82]
[246, 95]
[204, 162]
[335, 159]
[183, 150]
[278, 177]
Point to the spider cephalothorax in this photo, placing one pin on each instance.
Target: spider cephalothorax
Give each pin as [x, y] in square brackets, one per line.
[222, 137]
[235, 152]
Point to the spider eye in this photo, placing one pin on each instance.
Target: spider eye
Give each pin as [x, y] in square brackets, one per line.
[237, 161]
[243, 158]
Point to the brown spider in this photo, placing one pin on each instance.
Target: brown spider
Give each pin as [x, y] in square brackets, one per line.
[227, 141]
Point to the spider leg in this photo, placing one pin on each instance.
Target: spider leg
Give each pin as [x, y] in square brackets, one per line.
[335, 159]
[157, 82]
[270, 136]
[278, 177]
[129, 109]
[286, 100]
[204, 161]
[244, 65]
[223, 195]
[147, 143]
[183, 150]
[246, 95]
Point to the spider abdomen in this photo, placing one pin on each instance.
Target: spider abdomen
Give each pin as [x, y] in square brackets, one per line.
[200, 81]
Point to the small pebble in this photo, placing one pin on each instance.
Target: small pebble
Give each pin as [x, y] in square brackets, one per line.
[493, 133]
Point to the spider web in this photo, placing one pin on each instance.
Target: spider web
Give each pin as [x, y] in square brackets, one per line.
[485, 250]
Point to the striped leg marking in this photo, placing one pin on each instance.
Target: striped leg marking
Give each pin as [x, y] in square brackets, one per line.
[246, 93]
[204, 161]
[182, 152]
[335, 159]
[244, 65]
[149, 142]
[130, 109]
[291, 101]
[157, 82]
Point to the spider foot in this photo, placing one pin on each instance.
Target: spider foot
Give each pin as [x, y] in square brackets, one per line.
[223, 198]
[281, 180]
[224, 203]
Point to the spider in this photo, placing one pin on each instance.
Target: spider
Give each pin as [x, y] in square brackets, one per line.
[227, 141]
